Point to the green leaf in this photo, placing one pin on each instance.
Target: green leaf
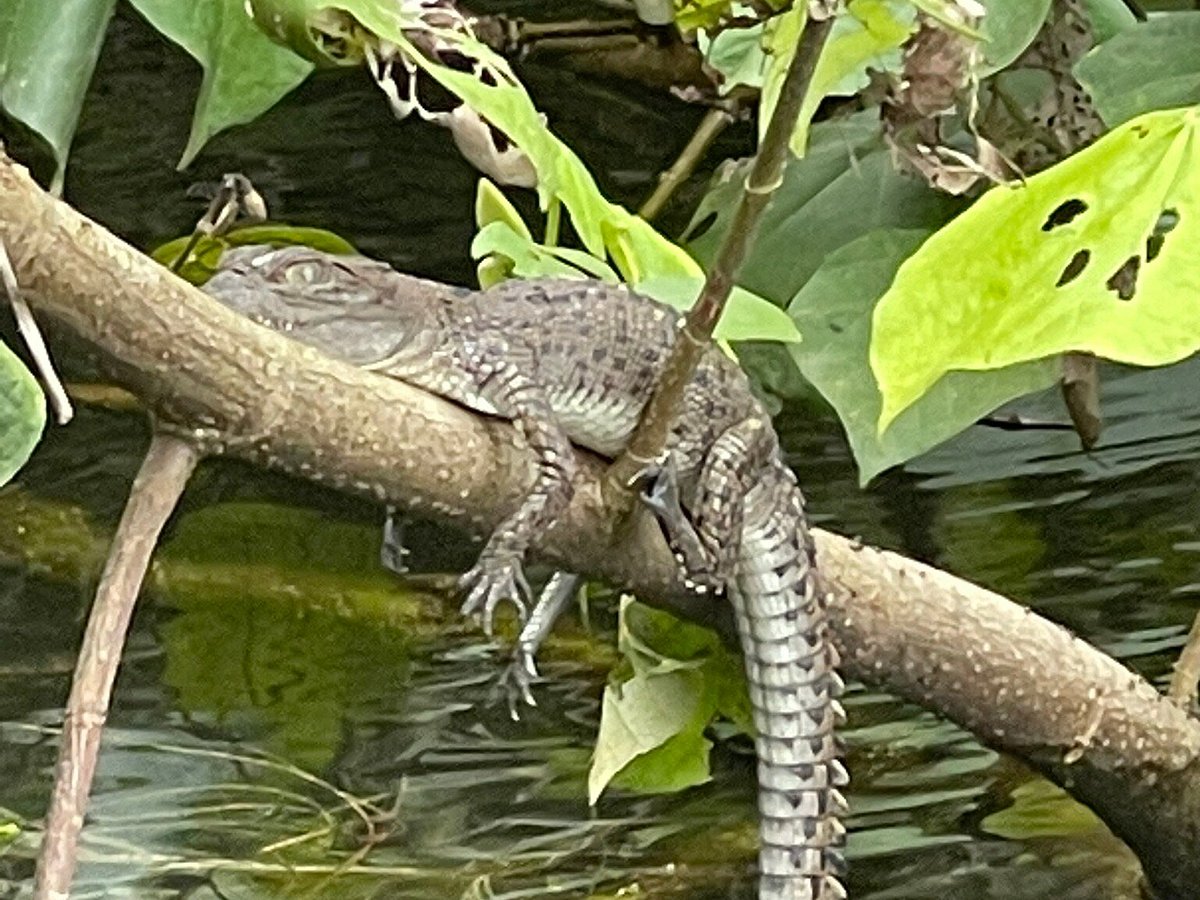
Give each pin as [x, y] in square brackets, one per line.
[22, 413]
[834, 309]
[845, 187]
[1094, 254]
[505, 253]
[646, 713]
[748, 317]
[1109, 17]
[1153, 65]
[48, 51]
[1008, 28]
[245, 73]
[492, 206]
[202, 261]
[869, 36]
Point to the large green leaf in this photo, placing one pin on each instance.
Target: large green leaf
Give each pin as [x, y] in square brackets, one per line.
[1095, 255]
[22, 413]
[245, 73]
[834, 309]
[1153, 65]
[48, 50]
[845, 187]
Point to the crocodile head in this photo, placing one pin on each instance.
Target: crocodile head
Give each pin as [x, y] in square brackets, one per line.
[350, 307]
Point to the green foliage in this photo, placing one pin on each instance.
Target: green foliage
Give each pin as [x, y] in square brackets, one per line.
[1093, 255]
[22, 413]
[203, 259]
[1008, 28]
[834, 310]
[1108, 17]
[679, 680]
[1152, 65]
[845, 187]
[867, 37]
[47, 54]
[245, 73]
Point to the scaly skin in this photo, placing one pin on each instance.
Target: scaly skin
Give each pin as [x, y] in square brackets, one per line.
[573, 362]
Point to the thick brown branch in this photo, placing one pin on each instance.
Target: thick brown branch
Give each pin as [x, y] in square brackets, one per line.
[1020, 682]
[158, 486]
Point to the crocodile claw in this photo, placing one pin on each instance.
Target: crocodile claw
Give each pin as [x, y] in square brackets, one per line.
[490, 582]
[518, 679]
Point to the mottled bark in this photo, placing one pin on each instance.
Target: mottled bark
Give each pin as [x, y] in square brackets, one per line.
[1018, 681]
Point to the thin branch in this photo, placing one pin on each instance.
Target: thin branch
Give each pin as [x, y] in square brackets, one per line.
[765, 176]
[32, 335]
[714, 122]
[160, 482]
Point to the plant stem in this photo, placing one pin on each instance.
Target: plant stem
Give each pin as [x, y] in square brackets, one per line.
[714, 122]
[160, 482]
[765, 175]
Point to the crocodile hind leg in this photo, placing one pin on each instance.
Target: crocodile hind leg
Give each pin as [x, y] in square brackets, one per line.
[747, 505]
[522, 672]
[498, 575]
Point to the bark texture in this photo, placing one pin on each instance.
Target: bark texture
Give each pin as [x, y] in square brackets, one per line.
[1021, 683]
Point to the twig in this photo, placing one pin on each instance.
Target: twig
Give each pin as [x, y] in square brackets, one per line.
[1081, 393]
[714, 122]
[765, 176]
[235, 194]
[29, 331]
[1186, 676]
[159, 483]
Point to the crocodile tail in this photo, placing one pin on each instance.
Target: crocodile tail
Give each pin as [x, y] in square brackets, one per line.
[794, 686]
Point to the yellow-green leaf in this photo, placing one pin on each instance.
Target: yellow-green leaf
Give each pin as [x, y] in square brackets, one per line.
[1096, 254]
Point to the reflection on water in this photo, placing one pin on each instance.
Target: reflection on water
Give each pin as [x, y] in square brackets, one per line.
[265, 743]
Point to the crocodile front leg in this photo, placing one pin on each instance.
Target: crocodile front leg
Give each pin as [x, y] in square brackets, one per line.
[498, 575]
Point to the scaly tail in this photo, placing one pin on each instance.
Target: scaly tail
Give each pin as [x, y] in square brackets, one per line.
[794, 686]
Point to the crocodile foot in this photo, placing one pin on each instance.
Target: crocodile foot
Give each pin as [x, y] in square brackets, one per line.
[660, 493]
[518, 678]
[492, 580]
[392, 552]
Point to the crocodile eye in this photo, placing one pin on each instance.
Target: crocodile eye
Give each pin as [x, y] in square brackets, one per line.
[301, 274]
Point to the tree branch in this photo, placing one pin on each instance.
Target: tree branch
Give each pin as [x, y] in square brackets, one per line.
[160, 482]
[1018, 681]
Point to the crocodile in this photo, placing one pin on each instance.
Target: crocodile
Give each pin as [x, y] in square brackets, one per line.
[572, 362]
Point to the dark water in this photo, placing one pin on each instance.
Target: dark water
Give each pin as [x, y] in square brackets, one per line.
[291, 722]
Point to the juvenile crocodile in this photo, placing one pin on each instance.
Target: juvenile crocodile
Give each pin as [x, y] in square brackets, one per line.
[574, 361]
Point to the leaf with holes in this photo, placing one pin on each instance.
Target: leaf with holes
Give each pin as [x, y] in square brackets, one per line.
[1095, 255]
